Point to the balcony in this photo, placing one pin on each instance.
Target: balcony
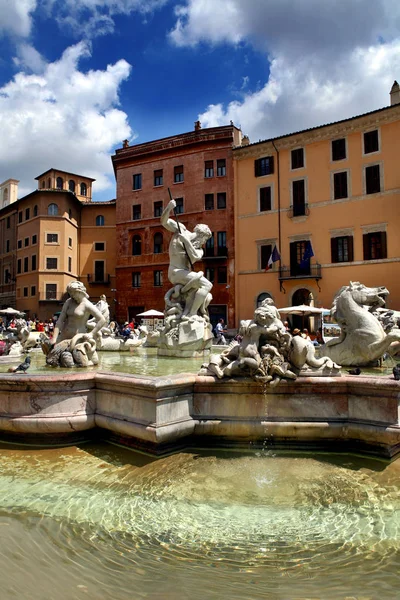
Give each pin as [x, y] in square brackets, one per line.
[298, 210]
[222, 252]
[295, 272]
[98, 280]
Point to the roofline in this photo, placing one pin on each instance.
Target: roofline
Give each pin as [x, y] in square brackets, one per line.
[66, 172]
[286, 135]
[42, 191]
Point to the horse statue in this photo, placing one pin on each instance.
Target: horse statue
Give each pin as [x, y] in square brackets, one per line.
[363, 340]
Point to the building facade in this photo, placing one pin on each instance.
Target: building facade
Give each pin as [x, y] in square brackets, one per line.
[197, 168]
[329, 199]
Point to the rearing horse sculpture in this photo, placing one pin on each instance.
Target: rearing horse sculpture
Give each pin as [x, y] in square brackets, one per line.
[362, 340]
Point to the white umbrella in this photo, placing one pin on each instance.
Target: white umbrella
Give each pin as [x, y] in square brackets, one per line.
[151, 313]
[302, 309]
[11, 312]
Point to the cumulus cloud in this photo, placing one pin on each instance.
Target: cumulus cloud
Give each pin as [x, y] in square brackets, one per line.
[62, 118]
[16, 17]
[328, 60]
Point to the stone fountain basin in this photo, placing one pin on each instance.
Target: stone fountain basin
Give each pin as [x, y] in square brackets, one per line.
[163, 414]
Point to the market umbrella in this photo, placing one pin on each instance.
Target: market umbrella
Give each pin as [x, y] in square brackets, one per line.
[151, 313]
[11, 312]
[304, 310]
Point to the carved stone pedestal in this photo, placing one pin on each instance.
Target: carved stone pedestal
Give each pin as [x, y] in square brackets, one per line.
[188, 339]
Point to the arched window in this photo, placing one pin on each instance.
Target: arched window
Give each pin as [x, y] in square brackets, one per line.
[71, 185]
[83, 189]
[136, 245]
[70, 213]
[43, 184]
[49, 183]
[5, 197]
[100, 221]
[158, 243]
[262, 297]
[52, 210]
[35, 210]
[59, 183]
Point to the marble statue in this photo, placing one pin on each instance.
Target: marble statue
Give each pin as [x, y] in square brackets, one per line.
[268, 353]
[363, 340]
[19, 339]
[187, 330]
[71, 344]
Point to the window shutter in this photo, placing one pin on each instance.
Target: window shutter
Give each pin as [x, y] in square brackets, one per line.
[334, 250]
[271, 163]
[367, 249]
[384, 244]
[256, 168]
[350, 248]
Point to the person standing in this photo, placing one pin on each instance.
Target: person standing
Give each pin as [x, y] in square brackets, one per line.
[220, 329]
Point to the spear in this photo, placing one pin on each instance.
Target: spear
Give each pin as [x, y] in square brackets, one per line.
[179, 229]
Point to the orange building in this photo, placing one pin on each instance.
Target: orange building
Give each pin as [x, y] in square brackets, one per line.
[197, 167]
[51, 236]
[329, 199]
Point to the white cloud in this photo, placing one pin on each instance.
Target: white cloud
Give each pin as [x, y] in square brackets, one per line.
[15, 17]
[63, 118]
[328, 60]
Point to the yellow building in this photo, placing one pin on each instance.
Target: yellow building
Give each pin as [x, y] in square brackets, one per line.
[51, 236]
[329, 199]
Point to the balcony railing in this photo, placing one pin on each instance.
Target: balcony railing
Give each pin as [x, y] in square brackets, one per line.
[219, 252]
[95, 280]
[298, 210]
[294, 272]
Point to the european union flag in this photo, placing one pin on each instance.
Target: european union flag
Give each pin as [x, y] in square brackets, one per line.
[308, 253]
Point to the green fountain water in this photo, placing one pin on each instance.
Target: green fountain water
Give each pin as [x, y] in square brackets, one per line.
[101, 522]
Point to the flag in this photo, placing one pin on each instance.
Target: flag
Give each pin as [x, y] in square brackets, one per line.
[308, 253]
[273, 258]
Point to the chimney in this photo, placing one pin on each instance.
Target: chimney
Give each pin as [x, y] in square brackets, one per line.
[395, 94]
[245, 140]
[197, 125]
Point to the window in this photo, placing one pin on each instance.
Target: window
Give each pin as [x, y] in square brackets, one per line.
[83, 189]
[339, 149]
[59, 183]
[136, 212]
[265, 253]
[221, 200]
[342, 249]
[340, 185]
[158, 278]
[26, 292]
[7, 276]
[71, 185]
[19, 244]
[51, 291]
[135, 280]
[69, 213]
[69, 264]
[43, 184]
[209, 202]
[100, 221]
[297, 158]
[158, 243]
[208, 169]
[299, 266]
[34, 239]
[35, 210]
[69, 242]
[7, 245]
[99, 246]
[375, 247]
[33, 262]
[158, 208]
[8, 223]
[137, 181]
[158, 177]
[52, 210]
[20, 216]
[209, 248]
[27, 214]
[136, 245]
[265, 198]
[221, 167]
[52, 238]
[49, 183]
[26, 264]
[179, 206]
[19, 265]
[99, 271]
[178, 174]
[372, 179]
[51, 263]
[371, 141]
[26, 242]
[221, 243]
[264, 166]
[222, 275]
[210, 274]
[33, 290]
[299, 197]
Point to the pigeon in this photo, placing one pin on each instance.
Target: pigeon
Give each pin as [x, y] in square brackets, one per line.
[356, 371]
[23, 367]
[396, 372]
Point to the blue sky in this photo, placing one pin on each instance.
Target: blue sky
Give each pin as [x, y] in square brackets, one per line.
[79, 76]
